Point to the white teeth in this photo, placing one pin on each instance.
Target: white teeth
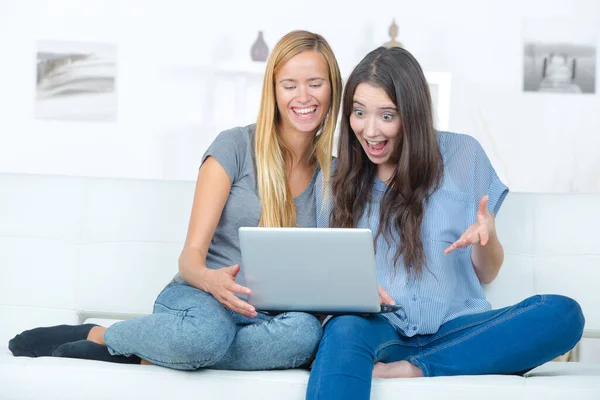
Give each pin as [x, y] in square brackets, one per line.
[375, 143]
[305, 110]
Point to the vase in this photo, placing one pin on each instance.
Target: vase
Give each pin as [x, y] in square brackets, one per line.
[259, 51]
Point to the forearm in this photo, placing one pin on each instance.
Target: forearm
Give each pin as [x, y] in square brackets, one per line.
[192, 267]
[487, 259]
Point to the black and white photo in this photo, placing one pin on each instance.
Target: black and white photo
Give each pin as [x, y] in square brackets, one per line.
[558, 57]
[76, 81]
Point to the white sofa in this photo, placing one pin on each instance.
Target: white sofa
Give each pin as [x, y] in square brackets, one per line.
[76, 248]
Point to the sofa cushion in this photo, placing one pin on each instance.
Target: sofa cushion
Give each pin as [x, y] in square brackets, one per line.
[58, 378]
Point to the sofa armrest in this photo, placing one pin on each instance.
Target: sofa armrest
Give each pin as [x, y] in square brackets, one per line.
[591, 333]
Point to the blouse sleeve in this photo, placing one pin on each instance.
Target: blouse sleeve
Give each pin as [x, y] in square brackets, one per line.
[486, 181]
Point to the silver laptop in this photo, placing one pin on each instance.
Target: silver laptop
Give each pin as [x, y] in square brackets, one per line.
[329, 271]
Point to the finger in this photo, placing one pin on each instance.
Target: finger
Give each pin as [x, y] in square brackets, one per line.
[385, 297]
[474, 237]
[237, 288]
[246, 313]
[240, 306]
[232, 270]
[242, 311]
[483, 203]
[464, 241]
[452, 247]
[456, 245]
[484, 237]
[232, 302]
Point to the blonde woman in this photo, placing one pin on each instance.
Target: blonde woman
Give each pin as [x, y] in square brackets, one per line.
[258, 175]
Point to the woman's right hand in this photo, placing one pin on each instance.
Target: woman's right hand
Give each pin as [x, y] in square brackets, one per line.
[222, 285]
[211, 194]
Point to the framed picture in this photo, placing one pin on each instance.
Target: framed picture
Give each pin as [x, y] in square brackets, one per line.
[76, 81]
[559, 57]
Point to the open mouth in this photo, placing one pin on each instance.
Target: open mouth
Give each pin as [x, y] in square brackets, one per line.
[305, 113]
[376, 148]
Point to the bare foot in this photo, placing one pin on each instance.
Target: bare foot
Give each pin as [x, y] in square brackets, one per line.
[144, 362]
[398, 369]
[96, 335]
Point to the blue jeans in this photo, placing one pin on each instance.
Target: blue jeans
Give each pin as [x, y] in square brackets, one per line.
[510, 340]
[190, 329]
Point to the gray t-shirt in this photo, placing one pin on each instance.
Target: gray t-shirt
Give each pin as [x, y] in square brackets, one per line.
[234, 150]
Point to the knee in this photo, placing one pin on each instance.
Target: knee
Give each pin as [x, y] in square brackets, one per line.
[305, 334]
[200, 346]
[345, 337]
[568, 315]
[342, 328]
[559, 321]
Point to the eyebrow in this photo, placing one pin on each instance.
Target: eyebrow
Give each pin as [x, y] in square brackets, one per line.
[294, 80]
[392, 108]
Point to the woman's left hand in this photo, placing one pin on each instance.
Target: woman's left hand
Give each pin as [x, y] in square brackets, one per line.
[384, 297]
[480, 232]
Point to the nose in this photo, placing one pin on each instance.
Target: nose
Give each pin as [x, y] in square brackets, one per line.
[303, 95]
[369, 128]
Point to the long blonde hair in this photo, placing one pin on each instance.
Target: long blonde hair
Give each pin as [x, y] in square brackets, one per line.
[278, 208]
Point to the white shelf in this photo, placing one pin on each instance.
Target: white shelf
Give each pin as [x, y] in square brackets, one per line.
[248, 69]
[243, 68]
[248, 74]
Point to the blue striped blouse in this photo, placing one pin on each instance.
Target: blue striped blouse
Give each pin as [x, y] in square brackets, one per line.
[448, 287]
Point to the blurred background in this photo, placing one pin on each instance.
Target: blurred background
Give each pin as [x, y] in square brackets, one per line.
[139, 88]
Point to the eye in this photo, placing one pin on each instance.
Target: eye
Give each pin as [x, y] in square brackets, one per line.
[289, 87]
[387, 117]
[358, 112]
[316, 85]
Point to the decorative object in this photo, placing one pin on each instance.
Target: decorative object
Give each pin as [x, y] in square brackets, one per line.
[259, 51]
[393, 32]
[559, 58]
[76, 81]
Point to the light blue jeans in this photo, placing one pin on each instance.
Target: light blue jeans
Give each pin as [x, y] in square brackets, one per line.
[190, 329]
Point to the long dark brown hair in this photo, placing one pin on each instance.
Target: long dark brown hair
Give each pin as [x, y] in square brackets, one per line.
[420, 167]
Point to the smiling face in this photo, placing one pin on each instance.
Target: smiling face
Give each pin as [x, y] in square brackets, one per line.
[303, 92]
[376, 124]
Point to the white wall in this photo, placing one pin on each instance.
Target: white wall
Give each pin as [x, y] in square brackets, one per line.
[537, 142]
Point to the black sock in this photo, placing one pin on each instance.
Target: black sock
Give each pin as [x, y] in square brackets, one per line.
[88, 350]
[40, 342]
